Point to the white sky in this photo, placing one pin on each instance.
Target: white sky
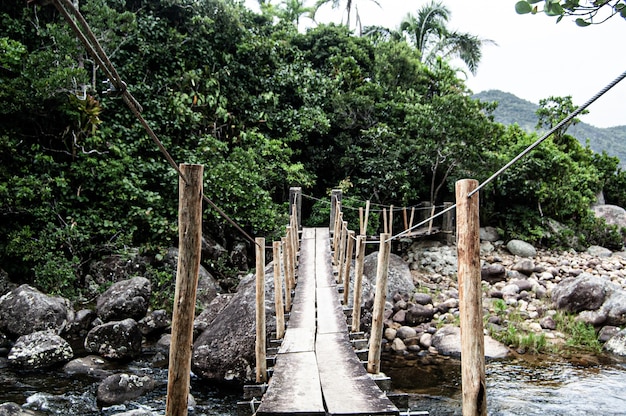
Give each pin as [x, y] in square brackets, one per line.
[534, 57]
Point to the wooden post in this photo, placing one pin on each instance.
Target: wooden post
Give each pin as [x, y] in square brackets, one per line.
[358, 283]
[286, 275]
[391, 219]
[470, 301]
[412, 217]
[278, 292]
[385, 227]
[367, 214]
[380, 297]
[342, 251]
[405, 219]
[337, 237]
[189, 245]
[447, 222]
[430, 223]
[295, 204]
[291, 271]
[335, 204]
[348, 263]
[261, 359]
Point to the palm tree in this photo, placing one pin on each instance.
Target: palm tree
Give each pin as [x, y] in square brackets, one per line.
[293, 10]
[429, 34]
[350, 4]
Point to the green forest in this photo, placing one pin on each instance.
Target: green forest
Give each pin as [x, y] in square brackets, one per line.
[383, 115]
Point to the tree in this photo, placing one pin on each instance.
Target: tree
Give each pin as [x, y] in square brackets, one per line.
[428, 33]
[552, 111]
[350, 5]
[586, 12]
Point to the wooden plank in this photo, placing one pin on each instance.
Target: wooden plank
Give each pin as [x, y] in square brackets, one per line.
[294, 388]
[346, 386]
[323, 265]
[330, 316]
[298, 340]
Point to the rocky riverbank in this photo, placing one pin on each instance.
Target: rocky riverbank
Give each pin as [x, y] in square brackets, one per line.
[532, 300]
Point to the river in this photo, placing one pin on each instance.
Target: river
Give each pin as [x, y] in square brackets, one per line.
[514, 387]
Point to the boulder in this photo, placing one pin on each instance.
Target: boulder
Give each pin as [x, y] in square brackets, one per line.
[419, 314]
[399, 278]
[120, 388]
[612, 214]
[447, 341]
[155, 323]
[117, 340]
[14, 409]
[598, 251]
[584, 292]
[125, 299]
[25, 310]
[493, 273]
[207, 287]
[78, 328]
[615, 307]
[521, 248]
[90, 365]
[617, 344]
[41, 349]
[489, 234]
[225, 350]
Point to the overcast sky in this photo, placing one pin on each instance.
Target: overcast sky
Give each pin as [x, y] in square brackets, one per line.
[534, 57]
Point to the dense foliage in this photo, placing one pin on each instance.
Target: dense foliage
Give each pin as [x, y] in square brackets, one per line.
[263, 107]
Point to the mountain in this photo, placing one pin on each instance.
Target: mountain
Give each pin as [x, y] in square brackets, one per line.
[512, 109]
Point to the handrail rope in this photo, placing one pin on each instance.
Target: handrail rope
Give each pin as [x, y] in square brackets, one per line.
[67, 9]
[549, 133]
[396, 208]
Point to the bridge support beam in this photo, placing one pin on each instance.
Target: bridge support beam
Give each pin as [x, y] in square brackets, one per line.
[470, 300]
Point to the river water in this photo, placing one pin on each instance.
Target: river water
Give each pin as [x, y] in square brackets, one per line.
[518, 387]
[514, 387]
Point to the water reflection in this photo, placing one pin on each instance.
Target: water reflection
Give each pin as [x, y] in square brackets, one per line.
[517, 388]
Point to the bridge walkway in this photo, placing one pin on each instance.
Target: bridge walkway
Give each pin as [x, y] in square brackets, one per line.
[317, 371]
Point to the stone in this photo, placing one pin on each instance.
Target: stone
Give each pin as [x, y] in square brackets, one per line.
[117, 340]
[399, 316]
[447, 341]
[126, 299]
[598, 251]
[612, 214]
[576, 294]
[14, 409]
[524, 266]
[493, 273]
[617, 344]
[154, 323]
[419, 314]
[426, 340]
[399, 279]
[489, 234]
[41, 349]
[607, 332]
[90, 365]
[120, 388]
[76, 331]
[615, 307]
[24, 310]
[405, 332]
[521, 248]
[548, 323]
[390, 334]
[422, 298]
[398, 345]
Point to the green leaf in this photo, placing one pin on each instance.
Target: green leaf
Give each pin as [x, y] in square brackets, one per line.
[523, 7]
[582, 22]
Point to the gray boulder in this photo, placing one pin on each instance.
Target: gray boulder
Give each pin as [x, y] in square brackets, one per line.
[126, 299]
[14, 409]
[493, 273]
[419, 314]
[25, 310]
[225, 350]
[598, 251]
[40, 349]
[117, 340]
[399, 278]
[521, 248]
[447, 341]
[207, 287]
[617, 344]
[615, 307]
[612, 214]
[489, 234]
[78, 328]
[91, 365]
[584, 292]
[120, 388]
[155, 323]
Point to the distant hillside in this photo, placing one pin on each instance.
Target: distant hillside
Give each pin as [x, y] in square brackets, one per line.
[512, 109]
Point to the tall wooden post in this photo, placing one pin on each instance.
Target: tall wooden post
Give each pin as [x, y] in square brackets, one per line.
[380, 297]
[470, 300]
[366, 218]
[348, 263]
[189, 245]
[342, 251]
[447, 222]
[295, 198]
[358, 283]
[335, 205]
[260, 353]
[278, 292]
[286, 274]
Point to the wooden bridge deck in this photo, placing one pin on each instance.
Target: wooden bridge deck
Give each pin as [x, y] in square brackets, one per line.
[317, 371]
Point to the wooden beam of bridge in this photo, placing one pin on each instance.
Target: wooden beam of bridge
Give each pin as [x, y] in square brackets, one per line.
[317, 371]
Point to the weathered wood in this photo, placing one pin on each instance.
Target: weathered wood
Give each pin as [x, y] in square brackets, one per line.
[342, 251]
[330, 316]
[260, 352]
[335, 206]
[367, 214]
[347, 266]
[391, 219]
[380, 297]
[278, 292]
[294, 388]
[283, 241]
[358, 283]
[189, 243]
[346, 386]
[295, 204]
[470, 301]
